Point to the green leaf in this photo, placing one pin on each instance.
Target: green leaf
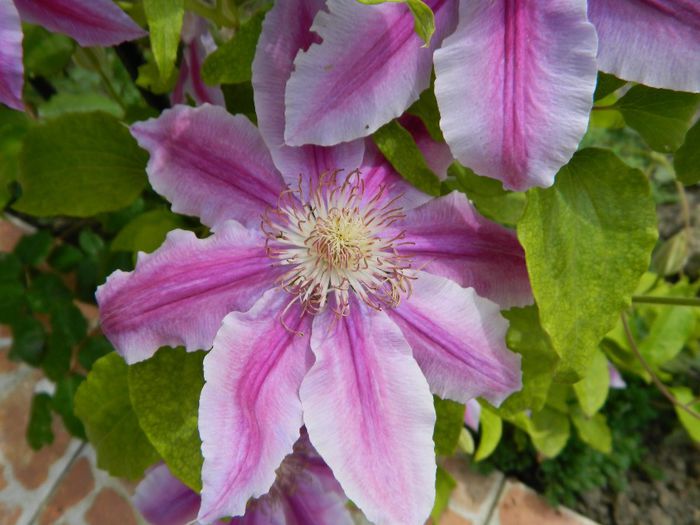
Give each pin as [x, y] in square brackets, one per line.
[399, 148]
[90, 242]
[39, 431]
[13, 127]
[80, 165]
[606, 85]
[593, 431]
[47, 292]
[687, 159]
[466, 441]
[491, 427]
[164, 25]
[549, 431]
[65, 257]
[685, 396]
[660, 116]
[13, 303]
[28, 339]
[487, 194]
[33, 249]
[146, 232]
[588, 240]
[448, 425]
[669, 331]
[93, 349]
[423, 17]
[63, 404]
[426, 109]
[63, 103]
[232, 62]
[444, 485]
[526, 337]
[102, 403]
[45, 53]
[592, 390]
[670, 257]
[165, 394]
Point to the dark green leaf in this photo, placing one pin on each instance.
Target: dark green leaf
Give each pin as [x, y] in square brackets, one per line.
[13, 127]
[65, 257]
[164, 24]
[79, 165]
[45, 53]
[102, 403]
[33, 249]
[165, 394]
[687, 159]
[232, 62]
[39, 431]
[92, 350]
[588, 240]
[660, 116]
[47, 293]
[63, 403]
[28, 338]
[448, 425]
[403, 154]
[90, 242]
[12, 292]
[606, 85]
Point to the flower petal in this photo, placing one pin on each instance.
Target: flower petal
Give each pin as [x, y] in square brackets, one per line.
[656, 43]
[90, 22]
[11, 69]
[452, 240]
[285, 31]
[163, 499]
[472, 414]
[210, 164]
[459, 340]
[179, 294]
[249, 412]
[370, 415]
[369, 68]
[515, 84]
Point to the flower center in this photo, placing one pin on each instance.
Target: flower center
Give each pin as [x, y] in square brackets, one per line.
[335, 241]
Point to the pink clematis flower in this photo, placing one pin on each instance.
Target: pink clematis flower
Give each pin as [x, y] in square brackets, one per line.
[90, 22]
[304, 493]
[514, 80]
[335, 300]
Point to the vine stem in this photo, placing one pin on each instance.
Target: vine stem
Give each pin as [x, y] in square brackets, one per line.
[672, 301]
[662, 388]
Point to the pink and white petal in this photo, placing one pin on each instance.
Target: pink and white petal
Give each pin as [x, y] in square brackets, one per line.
[515, 84]
[179, 294]
[616, 379]
[451, 239]
[368, 69]
[209, 163]
[286, 30]
[250, 412]
[11, 69]
[369, 413]
[459, 341]
[90, 22]
[190, 80]
[312, 503]
[162, 499]
[654, 42]
[437, 155]
[472, 414]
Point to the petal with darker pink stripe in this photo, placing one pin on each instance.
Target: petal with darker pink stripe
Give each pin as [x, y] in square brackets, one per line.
[11, 69]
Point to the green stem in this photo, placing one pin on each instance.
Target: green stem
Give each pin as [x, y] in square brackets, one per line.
[673, 301]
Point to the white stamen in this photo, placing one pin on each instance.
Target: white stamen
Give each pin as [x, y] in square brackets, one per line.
[335, 242]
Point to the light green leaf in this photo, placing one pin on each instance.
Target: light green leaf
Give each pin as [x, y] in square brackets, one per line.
[691, 424]
[164, 25]
[449, 423]
[444, 485]
[660, 116]
[671, 256]
[147, 231]
[466, 441]
[491, 427]
[687, 159]
[14, 125]
[668, 333]
[102, 403]
[63, 103]
[588, 240]
[592, 390]
[232, 62]
[526, 337]
[549, 431]
[423, 17]
[165, 394]
[403, 154]
[593, 431]
[487, 194]
[80, 165]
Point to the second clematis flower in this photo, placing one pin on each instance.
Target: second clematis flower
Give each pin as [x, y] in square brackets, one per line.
[90, 22]
[331, 293]
[514, 78]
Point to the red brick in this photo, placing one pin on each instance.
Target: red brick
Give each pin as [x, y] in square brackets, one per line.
[77, 483]
[10, 234]
[521, 506]
[451, 518]
[110, 508]
[9, 515]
